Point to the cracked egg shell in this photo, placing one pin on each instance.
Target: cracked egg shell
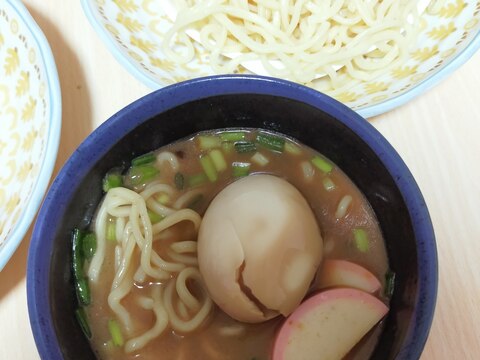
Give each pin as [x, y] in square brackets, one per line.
[259, 247]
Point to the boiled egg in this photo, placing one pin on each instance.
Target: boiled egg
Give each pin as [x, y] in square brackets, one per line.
[259, 248]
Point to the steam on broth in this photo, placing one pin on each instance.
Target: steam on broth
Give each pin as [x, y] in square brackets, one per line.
[136, 270]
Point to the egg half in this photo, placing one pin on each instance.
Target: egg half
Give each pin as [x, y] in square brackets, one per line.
[259, 247]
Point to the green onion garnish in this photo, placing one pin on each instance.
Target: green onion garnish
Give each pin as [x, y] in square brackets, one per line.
[111, 231]
[260, 159]
[82, 321]
[292, 148]
[232, 136]
[197, 180]
[389, 283]
[328, 184]
[112, 180]
[322, 164]
[141, 174]
[209, 168]
[78, 259]
[207, 142]
[83, 291]
[163, 198]
[227, 147]
[271, 142]
[242, 147]
[89, 245]
[148, 158]
[240, 169]
[361, 239]
[155, 217]
[115, 332]
[218, 160]
[179, 181]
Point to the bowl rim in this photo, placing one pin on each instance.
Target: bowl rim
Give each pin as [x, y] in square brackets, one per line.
[55, 122]
[107, 134]
[369, 111]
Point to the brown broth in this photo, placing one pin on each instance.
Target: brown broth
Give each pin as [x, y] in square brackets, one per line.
[255, 340]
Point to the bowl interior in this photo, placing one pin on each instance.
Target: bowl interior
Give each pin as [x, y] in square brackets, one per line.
[306, 123]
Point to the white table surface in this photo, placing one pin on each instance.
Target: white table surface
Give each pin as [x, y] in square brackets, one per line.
[437, 135]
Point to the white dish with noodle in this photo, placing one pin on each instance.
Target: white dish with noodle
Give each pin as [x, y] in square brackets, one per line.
[371, 55]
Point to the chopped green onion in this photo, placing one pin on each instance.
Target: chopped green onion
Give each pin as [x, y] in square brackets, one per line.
[232, 136]
[207, 142]
[240, 169]
[242, 147]
[196, 201]
[328, 184]
[155, 217]
[179, 181]
[209, 168]
[112, 180]
[111, 231]
[141, 174]
[83, 291]
[218, 160]
[322, 164]
[81, 284]
[271, 142]
[307, 170]
[77, 253]
[389, 283]
[82, 321]
[227, 147]
[115, 332]
[163, 198]
[361, 239]
[259, 159]
[148, 158]
[197, 180]
[89, 245]
[292, 148]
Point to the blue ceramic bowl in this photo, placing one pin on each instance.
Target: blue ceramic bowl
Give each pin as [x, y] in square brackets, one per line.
[236, 101]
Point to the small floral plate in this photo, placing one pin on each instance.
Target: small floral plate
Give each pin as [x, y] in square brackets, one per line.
[30, 120]
[133, 30]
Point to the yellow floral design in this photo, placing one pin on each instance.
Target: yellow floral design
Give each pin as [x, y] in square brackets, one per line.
[442, 32]
[162, 64]
[28, 111]
[29, 140]
[425, 53]
[2, 40]
[23, 83]
[130, 24]
[12, 203]
[375, 87]
[347, 96]
[452, 10]
[23, 171]
[12, 61]
[126, 5]
[144, 45]
[403, 72]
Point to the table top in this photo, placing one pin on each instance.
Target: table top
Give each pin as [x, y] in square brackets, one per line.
[435, 134]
